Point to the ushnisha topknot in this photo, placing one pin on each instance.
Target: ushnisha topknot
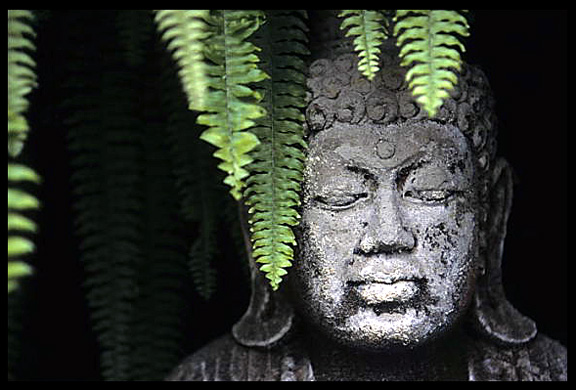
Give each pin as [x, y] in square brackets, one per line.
[339, 93]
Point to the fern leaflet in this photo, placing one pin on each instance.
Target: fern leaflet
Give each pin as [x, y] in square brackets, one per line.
[427, 39]
[276, 172]
[368, 28]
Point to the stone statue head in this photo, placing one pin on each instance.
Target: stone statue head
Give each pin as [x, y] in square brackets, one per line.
[403, 217]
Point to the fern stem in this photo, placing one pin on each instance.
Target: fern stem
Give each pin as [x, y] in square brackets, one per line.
[227, 89]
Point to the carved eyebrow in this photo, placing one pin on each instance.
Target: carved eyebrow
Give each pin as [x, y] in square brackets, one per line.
[411, 164]
[362, 172]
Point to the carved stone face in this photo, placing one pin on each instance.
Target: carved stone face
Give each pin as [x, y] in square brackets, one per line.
[388, 244]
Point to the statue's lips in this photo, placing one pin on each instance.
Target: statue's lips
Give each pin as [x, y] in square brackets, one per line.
[375, 292]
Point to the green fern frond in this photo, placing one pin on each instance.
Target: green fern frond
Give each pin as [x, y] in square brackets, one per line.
[126, 213]
[161, 275]
[181, 137]
[276, 172]
[133, 35]
[204, 247]
[185, 30]
[19, 201]
[219, 85]
[21, 80]
[200, 256]
[198, 182]
[114, 241]
[427, 39]
[231, 104]
[104, 140]
[21, 76]
[369, 29]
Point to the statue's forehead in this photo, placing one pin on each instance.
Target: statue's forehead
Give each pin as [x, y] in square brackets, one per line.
[389, 146]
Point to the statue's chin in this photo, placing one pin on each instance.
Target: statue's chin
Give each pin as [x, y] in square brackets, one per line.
[371, 330]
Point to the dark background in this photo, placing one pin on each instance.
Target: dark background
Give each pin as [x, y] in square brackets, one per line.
[523, 54]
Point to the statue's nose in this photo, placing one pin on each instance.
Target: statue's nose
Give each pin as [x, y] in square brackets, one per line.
[386, 231]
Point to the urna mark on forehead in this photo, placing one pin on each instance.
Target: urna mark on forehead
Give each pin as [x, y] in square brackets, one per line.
[382, 147]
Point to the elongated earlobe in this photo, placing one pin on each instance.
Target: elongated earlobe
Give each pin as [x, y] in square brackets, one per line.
[269, 316]
[492, 314]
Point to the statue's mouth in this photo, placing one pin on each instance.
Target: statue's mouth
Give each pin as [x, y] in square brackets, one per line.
[388, 294]
[379, 292]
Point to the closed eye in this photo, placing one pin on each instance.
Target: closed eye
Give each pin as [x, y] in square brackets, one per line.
[340, 201]
[430, 196]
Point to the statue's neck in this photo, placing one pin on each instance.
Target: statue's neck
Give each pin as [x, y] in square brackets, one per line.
[442, 360]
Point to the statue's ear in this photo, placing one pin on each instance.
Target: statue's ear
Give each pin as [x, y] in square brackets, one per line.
[268, 318]
[269, 315]
[493, 315]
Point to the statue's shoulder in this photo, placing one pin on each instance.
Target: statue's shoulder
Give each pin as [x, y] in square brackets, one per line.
[542, 359]
[224, 359]
[203, 364]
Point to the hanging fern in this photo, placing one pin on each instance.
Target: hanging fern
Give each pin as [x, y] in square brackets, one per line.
[427, 39]
[198, 182]
[19, 201]
[109, 207]
[369, 29]
[276, 172]
[126, 212]
[21, 80]
[159, 329]
[185, 30]
[161, 275]
[201, 254]
[230, 105]
[21, 76]
[133, 35]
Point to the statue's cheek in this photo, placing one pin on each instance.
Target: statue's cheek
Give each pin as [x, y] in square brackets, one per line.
[442, 227]
[336, 231]
[447, 246]
[439, 237]
[327, 240]
[445, 236]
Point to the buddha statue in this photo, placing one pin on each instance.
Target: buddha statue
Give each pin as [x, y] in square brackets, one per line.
[397, 274]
